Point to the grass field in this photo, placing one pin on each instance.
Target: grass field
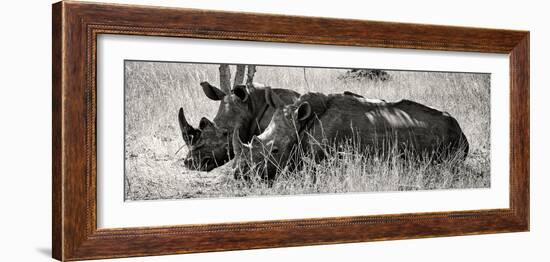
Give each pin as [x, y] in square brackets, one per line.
[155, 91]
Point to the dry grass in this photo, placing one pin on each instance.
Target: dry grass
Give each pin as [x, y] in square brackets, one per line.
[155, 91]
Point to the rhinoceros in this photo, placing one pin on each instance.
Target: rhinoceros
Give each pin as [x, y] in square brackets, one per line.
[206, 145]
[317, 124]
[243, 108]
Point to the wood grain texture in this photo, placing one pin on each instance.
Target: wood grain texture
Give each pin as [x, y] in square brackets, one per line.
[75, 29]
[57, 192]
[519, 129]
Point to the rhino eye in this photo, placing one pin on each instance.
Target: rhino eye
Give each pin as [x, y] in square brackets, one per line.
[274, 150]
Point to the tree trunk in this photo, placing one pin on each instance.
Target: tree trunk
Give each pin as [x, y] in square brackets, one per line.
[225, 78]
[239, 75]
[250, 74]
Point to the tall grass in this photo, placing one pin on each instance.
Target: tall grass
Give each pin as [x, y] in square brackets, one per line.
[154, 92]
[350, 166]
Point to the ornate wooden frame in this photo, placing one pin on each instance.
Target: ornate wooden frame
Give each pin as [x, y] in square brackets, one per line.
[76, 26]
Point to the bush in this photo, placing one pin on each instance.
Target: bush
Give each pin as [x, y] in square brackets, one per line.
[365, 74]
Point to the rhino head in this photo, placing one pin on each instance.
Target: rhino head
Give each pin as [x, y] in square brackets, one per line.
[236, 108]
[210, 145]
[207, 145]
[277, 146]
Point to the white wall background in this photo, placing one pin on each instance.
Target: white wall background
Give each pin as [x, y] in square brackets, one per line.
[25, 136]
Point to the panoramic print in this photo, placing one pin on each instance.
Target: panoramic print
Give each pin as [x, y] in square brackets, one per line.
[201, 130]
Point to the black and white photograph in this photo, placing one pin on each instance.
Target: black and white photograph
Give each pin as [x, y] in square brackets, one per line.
[210, 130]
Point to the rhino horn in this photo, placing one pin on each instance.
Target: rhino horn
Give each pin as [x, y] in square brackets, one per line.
[237, 143]
[187, 131]
[205, 123]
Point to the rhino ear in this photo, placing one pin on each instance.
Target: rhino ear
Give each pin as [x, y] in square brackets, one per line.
[303, 111]
[273, 99]
[212, 92]
[241, 92]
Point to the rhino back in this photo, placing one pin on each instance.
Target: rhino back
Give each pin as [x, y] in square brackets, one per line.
[433, 129]
[376, 125]
[287, 95]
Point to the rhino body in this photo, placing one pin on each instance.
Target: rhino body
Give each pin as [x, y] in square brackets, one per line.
[318, 124]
